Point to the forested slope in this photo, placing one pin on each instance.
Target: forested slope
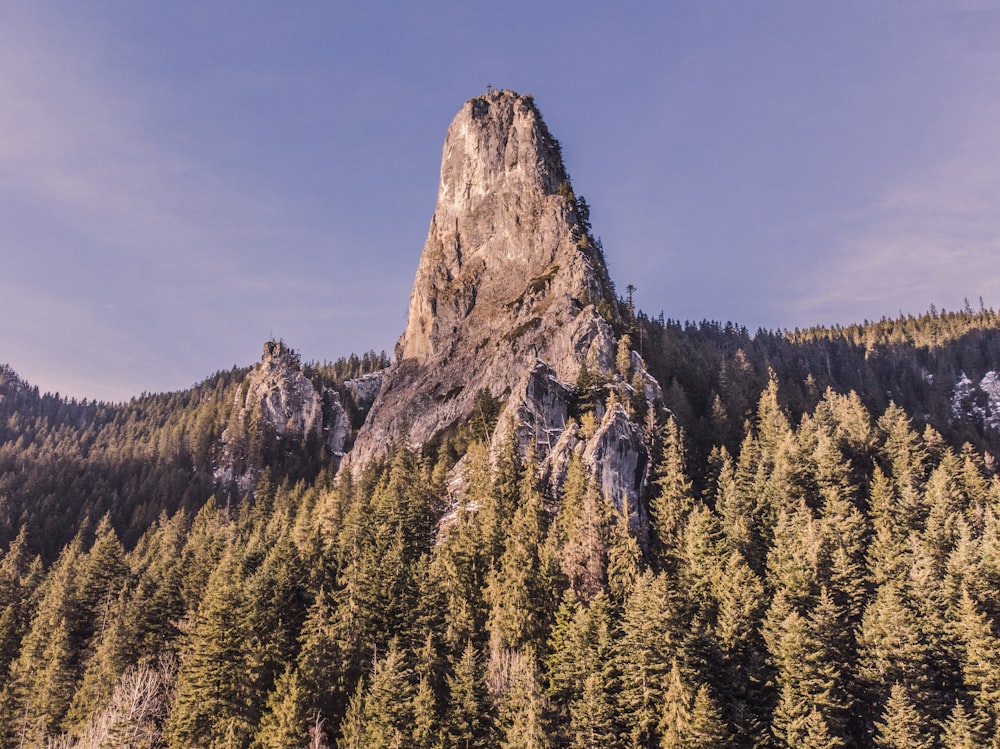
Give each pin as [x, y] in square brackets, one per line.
[821, 569]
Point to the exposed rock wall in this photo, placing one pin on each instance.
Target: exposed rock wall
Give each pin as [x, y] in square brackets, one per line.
[275, 403]
[508, 275]
[512, 296]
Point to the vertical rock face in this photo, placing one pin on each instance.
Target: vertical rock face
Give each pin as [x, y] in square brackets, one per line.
[512, 296]
[508, 275]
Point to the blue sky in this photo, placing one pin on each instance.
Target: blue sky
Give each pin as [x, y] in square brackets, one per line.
[181, 181]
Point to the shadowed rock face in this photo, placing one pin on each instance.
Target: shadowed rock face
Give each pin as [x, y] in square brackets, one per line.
[508, 275]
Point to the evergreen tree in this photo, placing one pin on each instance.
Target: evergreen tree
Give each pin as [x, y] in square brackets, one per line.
[580, 531]
[691, 718]
[675, 722]
[519, 590]
[624, 557]
[901, 725]
[521, 706]
[962, 730]
[43, 678]
[20, 575]
[672, 501]
[285, 722]
[593, 722]
[212, 701]
[707, 729]
[581, 651]
[387, 711]
[979, 656]
[652, 633]
[892, 648]
[467, 717]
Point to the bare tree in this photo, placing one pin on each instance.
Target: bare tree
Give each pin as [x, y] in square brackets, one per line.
[134, 715]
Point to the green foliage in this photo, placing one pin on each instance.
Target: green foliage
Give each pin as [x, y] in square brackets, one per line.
[821, 569]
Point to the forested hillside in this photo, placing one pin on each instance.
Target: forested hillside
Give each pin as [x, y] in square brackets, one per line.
[712, 374]
[821, 567]
[65, 465]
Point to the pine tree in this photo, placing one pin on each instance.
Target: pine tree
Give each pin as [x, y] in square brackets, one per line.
[322, 663]
[962, 730]
[817, 734]
[624, 557]
[892, 648]
[388, 704]
[519, 591]
[275, 604]
[901, 725]
[707, 729]
[43, 677]
[652, 633]
[691, 718]
[285, 722]
[428, 729]
[581, 650]
[105, 668]
[521, 706]
[212, 699]
[907, 458]
[467, 718]
[458, 569]
[675, 722]
[979, 655]
[584, 557]
[889, 556]
[672, 502]
[20, 574]
[592, 716]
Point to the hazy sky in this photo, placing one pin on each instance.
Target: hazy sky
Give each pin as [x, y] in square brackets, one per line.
[180, 181]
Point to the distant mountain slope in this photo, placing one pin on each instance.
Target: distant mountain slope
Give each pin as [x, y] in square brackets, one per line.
[712, 374]
[65, 464]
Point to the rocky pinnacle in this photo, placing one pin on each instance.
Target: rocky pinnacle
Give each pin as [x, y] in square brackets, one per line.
[509, 276]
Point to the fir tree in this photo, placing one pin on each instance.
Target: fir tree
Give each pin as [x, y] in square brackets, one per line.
[901, 725]
[467, 717]
[671, 503]
[212, 701]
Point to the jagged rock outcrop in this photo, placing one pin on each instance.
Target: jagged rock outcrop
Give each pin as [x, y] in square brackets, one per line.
[537, 409]
[509, 274]
[511, 296]
[277, 403]
[616, 457]
[365, 389]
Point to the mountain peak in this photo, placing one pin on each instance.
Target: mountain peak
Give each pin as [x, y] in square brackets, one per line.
[497, 144]
[509, 274]
[506, 217]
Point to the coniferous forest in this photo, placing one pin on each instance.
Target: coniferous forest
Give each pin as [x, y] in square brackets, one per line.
[820, 569]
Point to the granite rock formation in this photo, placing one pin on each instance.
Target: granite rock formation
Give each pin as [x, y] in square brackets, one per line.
[509, 274]
[511, 296]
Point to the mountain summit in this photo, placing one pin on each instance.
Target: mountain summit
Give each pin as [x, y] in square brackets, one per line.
[510, 276]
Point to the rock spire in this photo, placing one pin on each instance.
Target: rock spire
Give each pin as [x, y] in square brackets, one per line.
[512, 296]
[509, 275]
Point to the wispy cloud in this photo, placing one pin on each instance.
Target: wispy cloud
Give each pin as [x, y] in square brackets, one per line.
[934, 235]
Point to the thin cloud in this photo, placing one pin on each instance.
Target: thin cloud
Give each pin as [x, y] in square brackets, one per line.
[933, 237]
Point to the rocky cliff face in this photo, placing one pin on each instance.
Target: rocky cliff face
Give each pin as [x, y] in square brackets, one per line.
[511, 296]
[508, 275]
[278, 404]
